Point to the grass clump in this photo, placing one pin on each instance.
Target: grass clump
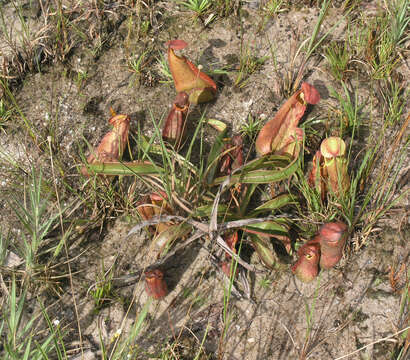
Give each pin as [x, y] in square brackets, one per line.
[5, 113]
[378, 41]
[199, 7]
[21, 338]
[248, 64]
[394, 97]
[273, 7]
[36, 222]
[338, 57]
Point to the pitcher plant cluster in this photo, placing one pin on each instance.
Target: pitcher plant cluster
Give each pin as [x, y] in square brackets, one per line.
[230, 182]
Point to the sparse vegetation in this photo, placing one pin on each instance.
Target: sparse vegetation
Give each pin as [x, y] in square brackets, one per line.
[164, 69]
[5, 113]
[273, 7]
[394, 97]
[223, 225]
[252, 127]
[136, 64]
[197, 6]
[248, 64]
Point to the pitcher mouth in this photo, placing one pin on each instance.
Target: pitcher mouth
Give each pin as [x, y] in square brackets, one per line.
[334, 241]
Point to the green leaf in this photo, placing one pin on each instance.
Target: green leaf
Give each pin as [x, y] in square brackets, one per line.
[147, 147]
[206, 210]
[267, 228]
[125, 168]
[261, 246]
[267, 161]
[216, 124]
[273, 204]
[213, 157]
[261, 176]
[247, 198]
[165, 238]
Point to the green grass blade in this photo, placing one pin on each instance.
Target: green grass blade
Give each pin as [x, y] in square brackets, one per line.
[118, 352]
[53, 334]
[26, 355]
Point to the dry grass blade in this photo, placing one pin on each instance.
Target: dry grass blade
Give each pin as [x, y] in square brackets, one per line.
[221, 242]
[242, 223]
[164, 218]
[204, 229]
[372, 343]
[198, 225]
[197, 235]
[213, 224]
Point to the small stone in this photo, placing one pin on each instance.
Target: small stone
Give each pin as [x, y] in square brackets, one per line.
[12, 260]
